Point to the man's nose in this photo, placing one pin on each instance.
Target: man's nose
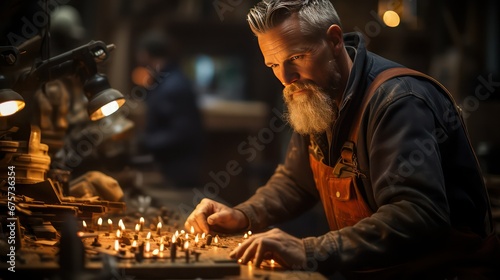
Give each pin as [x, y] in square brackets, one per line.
[288, 75]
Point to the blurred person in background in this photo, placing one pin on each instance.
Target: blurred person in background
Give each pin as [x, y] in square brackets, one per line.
[173, 130]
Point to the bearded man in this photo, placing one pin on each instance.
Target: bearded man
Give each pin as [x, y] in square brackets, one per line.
[398, 179]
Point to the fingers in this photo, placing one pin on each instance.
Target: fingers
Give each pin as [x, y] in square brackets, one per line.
[275, 244]
[256, 248]
[211, 215]
[198, 218]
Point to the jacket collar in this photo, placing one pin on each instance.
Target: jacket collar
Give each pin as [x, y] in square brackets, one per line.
[355, 45]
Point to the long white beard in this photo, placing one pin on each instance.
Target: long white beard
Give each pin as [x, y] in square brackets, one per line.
[311, 112]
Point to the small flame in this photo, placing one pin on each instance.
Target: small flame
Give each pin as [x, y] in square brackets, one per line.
[192, 230]
[118, 233]
[110, 222]
[117, 245]
[186, 245]
[149, 235]
[137, 227]
[84, 224]
[99, 222]
[147, 246]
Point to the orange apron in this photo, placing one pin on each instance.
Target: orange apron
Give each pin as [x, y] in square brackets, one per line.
[342, 201]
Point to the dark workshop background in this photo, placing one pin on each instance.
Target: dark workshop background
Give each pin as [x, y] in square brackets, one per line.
[456, 43]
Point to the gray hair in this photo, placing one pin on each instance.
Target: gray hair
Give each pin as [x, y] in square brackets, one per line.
[315, 16]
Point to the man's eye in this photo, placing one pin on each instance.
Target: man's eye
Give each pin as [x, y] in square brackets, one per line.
[295, 57]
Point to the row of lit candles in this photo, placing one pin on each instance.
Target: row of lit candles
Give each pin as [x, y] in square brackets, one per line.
[140, 226]
[121, 225]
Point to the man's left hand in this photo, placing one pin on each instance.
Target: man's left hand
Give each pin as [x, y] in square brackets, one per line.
[275, 244]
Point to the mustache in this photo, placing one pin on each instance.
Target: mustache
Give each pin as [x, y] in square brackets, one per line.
[297, 86]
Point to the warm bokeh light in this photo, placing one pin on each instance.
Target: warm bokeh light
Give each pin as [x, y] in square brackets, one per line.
[141, 76]
[391, 18]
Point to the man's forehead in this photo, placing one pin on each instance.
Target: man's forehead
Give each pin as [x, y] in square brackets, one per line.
[285, 35]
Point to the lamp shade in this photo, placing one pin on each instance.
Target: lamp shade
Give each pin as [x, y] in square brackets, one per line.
[103, 100]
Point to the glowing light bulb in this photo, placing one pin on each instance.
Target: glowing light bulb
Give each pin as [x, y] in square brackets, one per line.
[10, 107]
[109, 108]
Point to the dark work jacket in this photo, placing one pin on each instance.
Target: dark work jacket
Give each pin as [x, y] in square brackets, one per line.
[422, 179]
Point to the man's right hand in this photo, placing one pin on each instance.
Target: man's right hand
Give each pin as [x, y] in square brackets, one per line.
[210, 215]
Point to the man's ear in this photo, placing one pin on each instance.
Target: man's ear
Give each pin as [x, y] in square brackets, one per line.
[335, 39]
